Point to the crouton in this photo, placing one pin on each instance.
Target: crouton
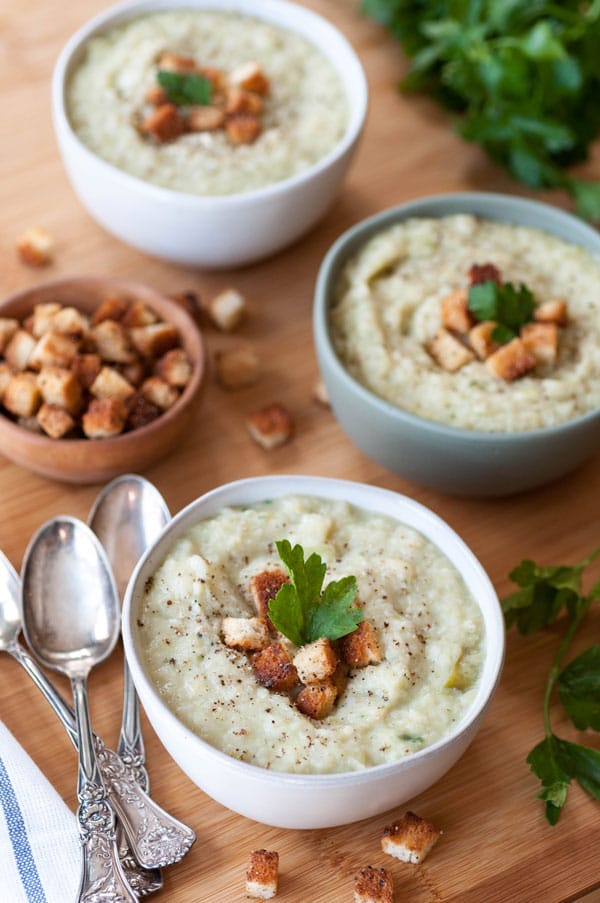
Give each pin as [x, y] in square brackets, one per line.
[112, 343]
[53, 350]
[43, 316]
[317, 700]
[35, 247]
[240, 101]
[262, 874]
[158, 392]
[205, 119]
[8, 327]
[274, 669]
[175, 62]
[86, 368]
[138, 314]
[541, 340]
[448, 352]
[55, 421]
[481, 341]
[237, 368]
[264, 587]
[511, 361]
[164, 124]
[216, 77]
[174, 367]
[249, 634]
[227, 309]
[22, 396]
[156, 96]
[110, 384]
[373, 885]
[410, 838]
[70, 321]
[242, 128]
[59, 386]
[134, 373]
[361, 647]
[251, 77]
[455, 311]
[552, 312]
[29, 423]
[140, 412]
[316, 661]
[105, 417]
[270, 426]
[190, 302]
[6, 372]
[484, 272]
[19, 349]
[320, 393]
[112, 308]
[154, 340]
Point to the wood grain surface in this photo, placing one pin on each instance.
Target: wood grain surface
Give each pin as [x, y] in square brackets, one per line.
[496, 846]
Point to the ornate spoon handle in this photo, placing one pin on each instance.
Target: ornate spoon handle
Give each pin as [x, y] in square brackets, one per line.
[101, 876]
[131, 744]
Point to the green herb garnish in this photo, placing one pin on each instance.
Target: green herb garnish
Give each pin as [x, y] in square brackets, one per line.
[545, 592]
[522, 76]
[508, 306]
[185, 89]
[304, 614]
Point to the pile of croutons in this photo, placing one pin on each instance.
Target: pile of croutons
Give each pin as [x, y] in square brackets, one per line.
[68, 375]
[315, 676]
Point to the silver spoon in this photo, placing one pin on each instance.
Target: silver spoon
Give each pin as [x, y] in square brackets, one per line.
[142, 881]
[71, 621]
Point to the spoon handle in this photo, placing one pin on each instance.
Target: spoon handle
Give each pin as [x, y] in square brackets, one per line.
[131, 743]
[101, 876]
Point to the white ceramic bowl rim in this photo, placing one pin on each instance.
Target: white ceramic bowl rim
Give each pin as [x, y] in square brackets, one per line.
[367, 228]
[280, 12]
[254, 489]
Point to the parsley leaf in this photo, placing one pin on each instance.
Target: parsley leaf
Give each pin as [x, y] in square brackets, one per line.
[185, 89]
[579, 689]
[543, 593]
[508, 306]
[544, 763]
[304, 614]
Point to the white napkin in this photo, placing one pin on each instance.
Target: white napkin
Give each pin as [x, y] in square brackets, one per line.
[39, 841]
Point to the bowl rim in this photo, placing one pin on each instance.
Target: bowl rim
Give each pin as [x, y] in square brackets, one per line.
[130, 9]
[253, 489]
[10, 428]
[357, 235]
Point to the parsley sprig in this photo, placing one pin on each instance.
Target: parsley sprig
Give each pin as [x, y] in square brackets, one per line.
[544, 593]
[508, 306]
[301, 611]
[185, 89]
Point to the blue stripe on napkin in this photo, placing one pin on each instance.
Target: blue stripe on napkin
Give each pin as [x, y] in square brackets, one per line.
[19, 840]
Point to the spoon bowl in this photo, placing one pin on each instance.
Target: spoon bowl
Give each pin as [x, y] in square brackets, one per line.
[10, 613]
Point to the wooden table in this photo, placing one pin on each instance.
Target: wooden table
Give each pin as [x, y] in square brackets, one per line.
[496, 847]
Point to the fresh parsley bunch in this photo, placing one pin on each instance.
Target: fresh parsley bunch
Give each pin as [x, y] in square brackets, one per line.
[506, 305]
[543, 594]
[524, 75]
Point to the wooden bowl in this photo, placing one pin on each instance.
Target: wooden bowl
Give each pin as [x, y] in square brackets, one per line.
[97, 460]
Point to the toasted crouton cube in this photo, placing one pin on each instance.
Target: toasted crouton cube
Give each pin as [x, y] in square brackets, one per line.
[112, 342]
[216, 77]
[175, 62]
[6, 372]
[372, 885]
[175, 368]
[54, 350]
[134, 373]
[249, 634]
[274, 669]
[138, 314]
[19, 349]
[55, 421]
[59, 386]
[30, 423]
[481, 341]
[448, 352]
[35, 247]
[316, 661]
[164, 124]
[110, 384]
[190, 302]
[243, 128]
[140, 412]
[317, 700]
[251, 77]
[455, 311]
[22, 396]
[262, 874]
[511, 361]
[70, 321]
[105, 417]
[541, 339]
[112, 308]
[156, 96]
[154, 340]
[554, 311]
[227, 309]
[361, 647]
[484, 272]
[8, 328]
[270, 426]
[320, 393]
[86, 368]
[240, 101]
[205, 118]
[43, 316]
[264, 587]
[410, 838]
[158, 392]
[237, 368]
